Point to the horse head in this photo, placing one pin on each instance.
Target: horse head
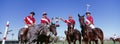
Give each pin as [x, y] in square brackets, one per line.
[81, 20]
[111, 38]
[82, 25]
[53, 28]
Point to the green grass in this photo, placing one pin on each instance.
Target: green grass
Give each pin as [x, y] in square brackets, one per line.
[105, 42]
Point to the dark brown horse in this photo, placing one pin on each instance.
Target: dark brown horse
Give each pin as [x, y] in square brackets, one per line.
[73, 37]
[114, 40]
[44, 38]
[90, 36]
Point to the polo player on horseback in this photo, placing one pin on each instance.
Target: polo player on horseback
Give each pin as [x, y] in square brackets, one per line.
[70, 23]
[90, 24]
[114, 37]
[46, 22]
[89, 20]
[29, 21]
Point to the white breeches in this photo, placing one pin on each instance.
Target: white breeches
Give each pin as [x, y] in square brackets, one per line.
[26, 26]
[92, 26]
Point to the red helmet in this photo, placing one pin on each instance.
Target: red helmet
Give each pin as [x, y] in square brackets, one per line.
[70, 16]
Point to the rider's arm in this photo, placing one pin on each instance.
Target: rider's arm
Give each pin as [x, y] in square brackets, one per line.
[61, 19]
[25, 20]
[34, 22]
[91, 19]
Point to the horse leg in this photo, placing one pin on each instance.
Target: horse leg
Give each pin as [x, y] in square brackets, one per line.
[89, 42]
[101, 39]
[68, 41]
[96, 41]
[23, 43]
[85, 42]
[80, 41]
[75, 42]
[37, 42]
[30, 42]
[46, 42]
[41, 42]
[19, 42]
[114, 41]
[93, 42]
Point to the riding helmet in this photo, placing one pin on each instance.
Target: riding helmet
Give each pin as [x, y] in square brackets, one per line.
[32, 13]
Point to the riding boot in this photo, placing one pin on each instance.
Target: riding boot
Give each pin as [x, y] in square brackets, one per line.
[72, 31]
[68, 31]
[25, 31]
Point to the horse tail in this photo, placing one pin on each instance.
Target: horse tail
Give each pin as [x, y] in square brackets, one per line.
[79, 35]
[100, 34]
[20, 36]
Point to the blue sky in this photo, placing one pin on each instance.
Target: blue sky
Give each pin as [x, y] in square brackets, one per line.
[105, 13]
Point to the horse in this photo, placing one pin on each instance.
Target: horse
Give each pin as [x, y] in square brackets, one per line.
[31, 35]
[22, 38]
[90, 36]
[114, 40]
[44, 38]
[74, 36]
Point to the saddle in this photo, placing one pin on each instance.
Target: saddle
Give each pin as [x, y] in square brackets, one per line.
[92, 31]
[25, 30]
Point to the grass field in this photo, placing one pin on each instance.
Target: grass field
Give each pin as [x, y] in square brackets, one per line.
[65, 42]
[105, 42]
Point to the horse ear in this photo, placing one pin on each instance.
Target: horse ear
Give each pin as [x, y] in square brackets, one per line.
[83, 15]
[78, 15]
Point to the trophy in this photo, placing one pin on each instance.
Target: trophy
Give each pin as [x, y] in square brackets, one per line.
[88, 7]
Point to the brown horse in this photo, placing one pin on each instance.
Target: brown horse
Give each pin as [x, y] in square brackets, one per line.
[114, 40]
[44, 38]
[90, 36]
[73, 37]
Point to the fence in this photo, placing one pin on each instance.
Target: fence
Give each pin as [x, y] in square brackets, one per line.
[10, 42]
